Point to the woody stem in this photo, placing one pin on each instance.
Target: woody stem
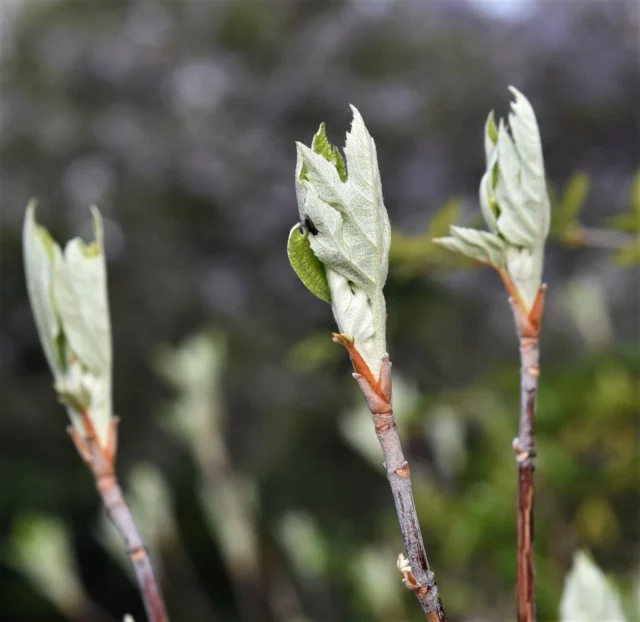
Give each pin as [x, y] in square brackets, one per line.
[528, 326]
[420, 579]
[525, 458]
[100, 461]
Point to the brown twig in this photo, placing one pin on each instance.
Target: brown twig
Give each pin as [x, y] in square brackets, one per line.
[416, 573]
[528, 326]
[100, 461]
[605, 239]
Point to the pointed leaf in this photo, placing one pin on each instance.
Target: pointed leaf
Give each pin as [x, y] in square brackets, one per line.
[353, 228]
[516, 222]
[41, 255]
[480, 245]
[353, 231]
[80, 293]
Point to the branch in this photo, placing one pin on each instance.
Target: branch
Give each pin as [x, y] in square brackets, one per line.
[605, 239]
[100, 461]
[525, 447]
[416, 573]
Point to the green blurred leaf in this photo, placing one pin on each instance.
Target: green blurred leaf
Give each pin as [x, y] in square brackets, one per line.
[446, 216]
[565, 210]
[574, 196]
[629, 255]
[629, 221]
[313, 352]
[42, 550]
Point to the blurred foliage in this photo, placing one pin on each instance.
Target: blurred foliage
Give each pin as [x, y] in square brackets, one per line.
[588, 595]
[178, 120]
[412, 255]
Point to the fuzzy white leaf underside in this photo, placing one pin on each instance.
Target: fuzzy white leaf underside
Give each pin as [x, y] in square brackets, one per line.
[353, 236]
[479, 245]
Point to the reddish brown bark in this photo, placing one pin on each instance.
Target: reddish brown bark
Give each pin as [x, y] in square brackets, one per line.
[417, 576]
[100, 461]
[528, 326]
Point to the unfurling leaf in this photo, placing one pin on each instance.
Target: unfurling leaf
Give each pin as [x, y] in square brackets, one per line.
[306, 265]
[480, 245]
[514, 202]
[352, 237]
[68, 294]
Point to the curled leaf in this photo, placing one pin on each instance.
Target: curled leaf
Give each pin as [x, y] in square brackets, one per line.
[514, 202]
[68, 294]
[353, 234]
[480, 245]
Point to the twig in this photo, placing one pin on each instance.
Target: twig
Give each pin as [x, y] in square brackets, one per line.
[528, 332]
[100, 461]
[416, 573]
[605, 239]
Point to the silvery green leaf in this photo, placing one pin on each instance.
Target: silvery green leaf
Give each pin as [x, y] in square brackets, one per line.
[41, 255]
[82, 390]
[80, 293]
[480, 245]
[306, 265]
[524, 266]
[515, 221]
[354, 314]
[490, 136]
[69, 299]
[513, 200]
[488, 202]
[526, 135]
[588, 596]
[354, 235]
[521, 190]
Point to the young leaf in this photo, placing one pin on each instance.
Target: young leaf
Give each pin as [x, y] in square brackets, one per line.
[80, 294]
[588, 596]
[41, 255]
[353, 228]
[306, 265]
[68, 294]
[480, 245]
[514, 202]
[353, 232]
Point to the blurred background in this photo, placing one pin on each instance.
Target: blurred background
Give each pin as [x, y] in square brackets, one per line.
[245, 448]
